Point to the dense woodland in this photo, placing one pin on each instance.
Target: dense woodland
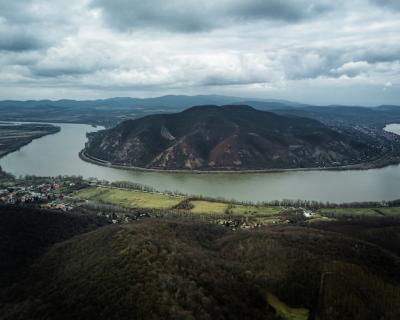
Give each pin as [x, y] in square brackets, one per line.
[73, 266]
[26, 233]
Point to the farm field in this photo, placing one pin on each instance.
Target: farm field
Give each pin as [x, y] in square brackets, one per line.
[342, 212]
[204, 206]
[144, 199]
[130, 198]
[153, 200]
[389, 210]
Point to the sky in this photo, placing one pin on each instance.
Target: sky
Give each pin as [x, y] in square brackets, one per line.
[311, 51]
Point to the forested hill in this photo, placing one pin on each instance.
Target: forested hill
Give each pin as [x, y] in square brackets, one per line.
[27, 233]
[168, 269]
[232, 137]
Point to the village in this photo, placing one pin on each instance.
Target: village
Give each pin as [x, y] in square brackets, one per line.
[46, 195]
[43, 192]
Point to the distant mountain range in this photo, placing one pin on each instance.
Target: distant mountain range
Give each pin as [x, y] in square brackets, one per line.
[111, 111]
[232, 137]
[174, 101]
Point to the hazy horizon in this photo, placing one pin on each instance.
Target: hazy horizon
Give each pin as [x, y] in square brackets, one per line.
[235, 100]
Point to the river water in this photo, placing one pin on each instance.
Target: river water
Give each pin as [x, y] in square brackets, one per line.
[58, 155]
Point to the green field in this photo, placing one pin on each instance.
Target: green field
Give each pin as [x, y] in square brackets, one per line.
[204, 206]
[256, 210]
[130, 198]
[153, 200]
[389, 211]
[340, 212]
[141, 199]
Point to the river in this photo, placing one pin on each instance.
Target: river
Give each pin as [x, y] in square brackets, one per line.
[57, 154]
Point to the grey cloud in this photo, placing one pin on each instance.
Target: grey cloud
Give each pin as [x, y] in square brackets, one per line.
[19, 42]
[310, 63]
[289, 11]
[352, 69]
[15, 11]
[390, 4]
[57, 72]
[31, 25]
[383, 54]
[67, 66]
[19, 38]
[189, 16]
[14, 36]
[225, 81]
[171, 15]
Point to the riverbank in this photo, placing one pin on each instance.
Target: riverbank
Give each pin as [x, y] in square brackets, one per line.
[14, 138]
[384, 161]
[57, 154]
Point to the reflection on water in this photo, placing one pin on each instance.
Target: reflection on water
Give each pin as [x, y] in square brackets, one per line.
[58, 155]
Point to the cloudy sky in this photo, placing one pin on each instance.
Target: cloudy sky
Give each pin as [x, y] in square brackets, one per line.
[314, 51]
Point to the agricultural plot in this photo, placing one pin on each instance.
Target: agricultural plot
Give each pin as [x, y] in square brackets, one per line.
[350, 212]
[129, 198]
[142, 199]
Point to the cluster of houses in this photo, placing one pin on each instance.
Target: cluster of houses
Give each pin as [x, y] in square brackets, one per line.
[47, 195]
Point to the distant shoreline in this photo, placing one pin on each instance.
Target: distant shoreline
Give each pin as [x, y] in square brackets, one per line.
[20, 144]
[376, 164]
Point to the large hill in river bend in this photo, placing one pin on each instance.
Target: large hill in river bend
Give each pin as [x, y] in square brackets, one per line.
[226, 138]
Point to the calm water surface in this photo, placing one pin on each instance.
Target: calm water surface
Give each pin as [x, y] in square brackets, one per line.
[58, 155]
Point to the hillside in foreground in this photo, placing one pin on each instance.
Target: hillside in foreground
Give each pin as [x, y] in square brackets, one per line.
[227, 138]
[26, 233]
[167, 269]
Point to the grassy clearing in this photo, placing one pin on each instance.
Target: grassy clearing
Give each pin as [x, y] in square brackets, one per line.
[149, 200]
[203, 206]
[284, 311]
[141, 199]
[258, 211]
[129, 198]
[390, 211]
[349, 212]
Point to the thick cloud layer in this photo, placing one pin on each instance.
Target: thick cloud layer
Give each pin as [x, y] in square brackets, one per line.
[310, 51]
[189, 16]
[390, 4]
